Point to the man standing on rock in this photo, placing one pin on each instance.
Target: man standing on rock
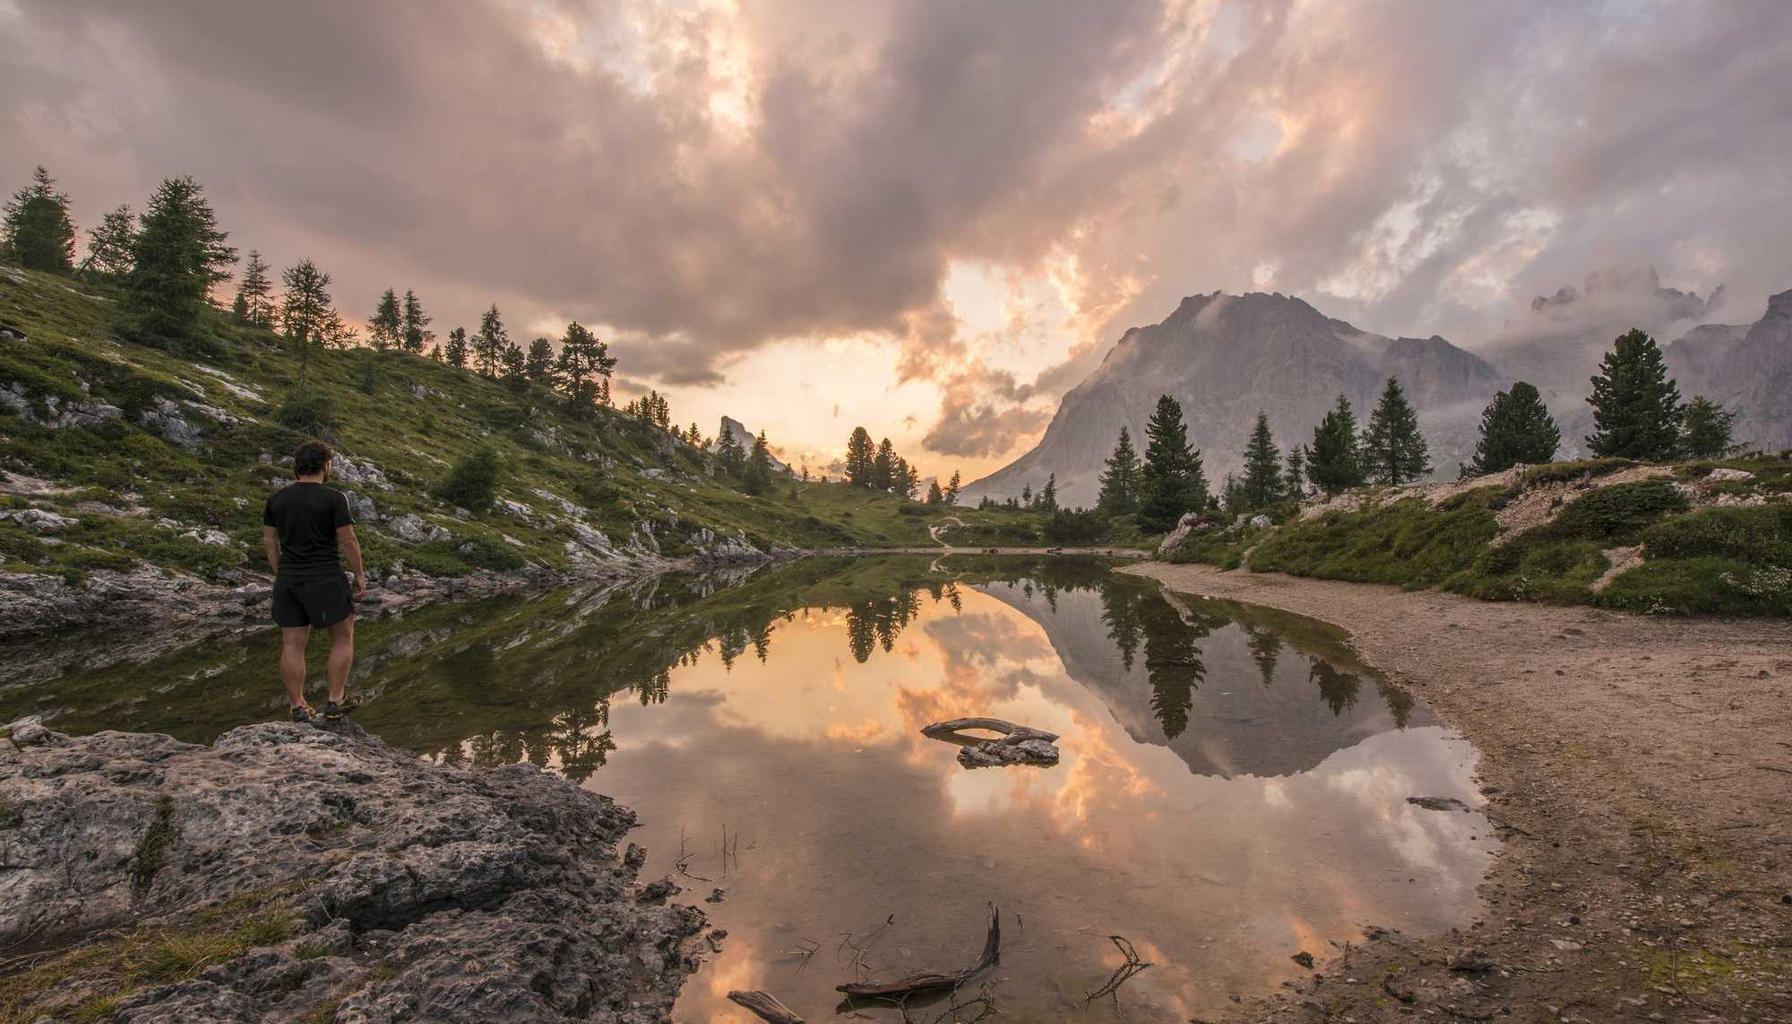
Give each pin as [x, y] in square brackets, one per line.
[303, 527]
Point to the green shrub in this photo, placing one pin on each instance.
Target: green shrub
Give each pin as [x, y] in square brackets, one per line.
[1405, 542]
[1532, 567]
[472, 482]
[1565, 472]
[1706, 586]
[1075, 526]
[307, 412]
[1617, 514]
[1762, 534]
[486, 553]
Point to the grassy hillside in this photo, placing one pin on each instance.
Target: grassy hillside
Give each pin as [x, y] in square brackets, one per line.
[1704, 537]
[165, 459]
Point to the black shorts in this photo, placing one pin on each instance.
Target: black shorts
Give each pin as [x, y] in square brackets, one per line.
[311, 602]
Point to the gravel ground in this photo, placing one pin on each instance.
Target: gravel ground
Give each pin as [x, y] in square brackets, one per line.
[1640, 770]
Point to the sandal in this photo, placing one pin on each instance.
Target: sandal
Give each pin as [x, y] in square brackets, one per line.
[336, 709]
[304, 713]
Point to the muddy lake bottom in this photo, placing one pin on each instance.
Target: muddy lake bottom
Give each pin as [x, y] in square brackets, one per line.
[1233, 787]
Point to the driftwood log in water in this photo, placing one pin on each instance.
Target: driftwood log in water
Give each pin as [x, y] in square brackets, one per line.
[928, 983]
[1019, 744]
[766, 1007]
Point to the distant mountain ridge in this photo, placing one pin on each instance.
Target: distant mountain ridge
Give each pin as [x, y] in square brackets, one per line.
[1225, 357]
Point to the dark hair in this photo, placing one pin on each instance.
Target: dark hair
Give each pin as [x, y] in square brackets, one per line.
[311, 458]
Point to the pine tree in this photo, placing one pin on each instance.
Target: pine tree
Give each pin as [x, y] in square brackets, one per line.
[413, 330]
[883, 466]
[1515, 428]
[728, 451]
[1332, 463]
[109, 244]
[1172, 479]
[1026, 495]
[1295, 478]
[860, 455]
[255, 293]
[952, 487]
[758, 478]
[37, 233]
[695, 437]
[1705, 429]
[539, 364]
[1636, 405]
[1261, 486]
[583, 368]
[177, 255]
[456, 351]
[1048, 495]
[515, 373]
[306, 313]
[1393, 451]
[385, 329]
[935, 496]
[906, 480]
[489, 343]
[1120, 481]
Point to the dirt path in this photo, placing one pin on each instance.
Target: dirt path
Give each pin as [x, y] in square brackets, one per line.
[1641, 772]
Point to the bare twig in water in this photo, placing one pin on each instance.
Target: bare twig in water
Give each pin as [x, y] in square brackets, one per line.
[928, 982]
[1130, 966]
[766, 1007]
[984, 1001]
[804, 952]
[683, 864]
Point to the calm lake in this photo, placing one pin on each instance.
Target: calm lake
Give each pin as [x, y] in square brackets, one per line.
[1232, 788]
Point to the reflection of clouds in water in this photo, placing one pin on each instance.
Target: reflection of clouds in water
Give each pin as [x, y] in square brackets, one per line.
[850, 816]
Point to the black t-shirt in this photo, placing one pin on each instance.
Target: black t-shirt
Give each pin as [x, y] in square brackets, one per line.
[306, 517]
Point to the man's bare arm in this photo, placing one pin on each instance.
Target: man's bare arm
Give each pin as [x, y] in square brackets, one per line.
[270, 545]
[351, 549]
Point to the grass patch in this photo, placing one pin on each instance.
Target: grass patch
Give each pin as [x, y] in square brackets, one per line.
[151, 853]
[1701, 586]
[1404, 542]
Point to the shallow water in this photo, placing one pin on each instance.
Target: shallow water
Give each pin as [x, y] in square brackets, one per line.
[1232, 790]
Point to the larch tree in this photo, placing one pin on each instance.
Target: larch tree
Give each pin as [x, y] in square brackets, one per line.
[1172, 478]
[1516, 428]
[109, 243]
[1392, 449]
[1047, 499]
[385, 328]
[490, 342]
[37, 232]
[860, 454]
[1706, 429]
[255, 293]
[1332, 463]
[758, 476]
[729, 452]
[1636, 405]
[883, 466]
[413, 329]
[583, 368]
[306, 313]
[1261, 486]
[177, 255]
[539, 364]
[515, 367]
[935, 496]
[952, 488]
[1120, 480]
[457, 350]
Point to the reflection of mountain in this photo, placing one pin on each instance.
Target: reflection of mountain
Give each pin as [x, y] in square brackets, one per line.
[1230, 698]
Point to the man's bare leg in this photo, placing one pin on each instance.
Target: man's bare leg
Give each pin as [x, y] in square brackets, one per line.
[292, 662]
[342, 656]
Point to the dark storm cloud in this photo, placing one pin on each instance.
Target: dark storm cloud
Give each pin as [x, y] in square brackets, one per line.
[703, 182]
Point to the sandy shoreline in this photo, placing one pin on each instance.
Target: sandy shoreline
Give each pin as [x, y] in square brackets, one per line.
[1641, 770]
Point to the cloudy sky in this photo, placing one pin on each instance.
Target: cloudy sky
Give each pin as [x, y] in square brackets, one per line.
[929, 218]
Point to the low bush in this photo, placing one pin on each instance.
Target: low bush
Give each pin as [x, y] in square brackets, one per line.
[1404, 542]
[308, 413]
[1762, 534]
[1617, 514]
[1076, 526]
[1705, 585]
[1565, 472]
[472, 482]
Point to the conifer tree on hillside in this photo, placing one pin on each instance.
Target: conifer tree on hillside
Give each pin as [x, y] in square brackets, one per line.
[413, 327]
[728, 451]
[758, 476]
[1295, 478]
[583, 368]
[539, 364]
[935, 496]
[883, 466]
[489, 343]
[1262, 484]
[177, 255]
[1173, 480]
[1705, 429]
[37, 233]
[385, 328]
[1026, 496]
[1515, 428]
[695, 437]
[1332, 462]
[1392, 450]
[109, 243]
[457, 350]
[1120, 482]
[908, 479]
[860, 454]
[952, 487]
[306, 314]
[1231, 496]
[516, 375]
[1048, 495]
[255, 294]
[1636, 405]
